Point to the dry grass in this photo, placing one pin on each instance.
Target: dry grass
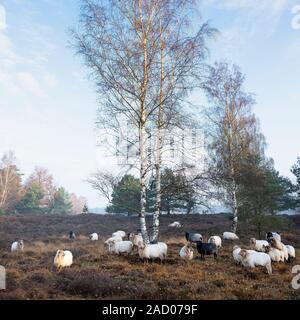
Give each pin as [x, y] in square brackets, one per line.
[98, 275]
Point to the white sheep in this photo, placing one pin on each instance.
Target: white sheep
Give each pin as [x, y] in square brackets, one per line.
[175, 224]
[135, 239]
[236, 254]
[114, 238]
[216, 240]
[120, 247]
[230, 236]
[275, 254]
[291, 252]
[94, 237]
[17, 246]
[120, 233]
[63, 259]
[252, 259]
[258, 245]
[152, 251]
[280, 246]
[186, 252]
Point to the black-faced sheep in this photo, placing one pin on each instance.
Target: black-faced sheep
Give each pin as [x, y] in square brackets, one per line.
[193, 236]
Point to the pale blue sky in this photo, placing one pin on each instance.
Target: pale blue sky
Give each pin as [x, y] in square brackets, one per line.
[48, 107]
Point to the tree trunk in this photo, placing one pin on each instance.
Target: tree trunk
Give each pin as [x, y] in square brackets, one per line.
[159, 144]
[156, 215]
[189, 209]
[143, 182]
[142, 132]
[235, 209]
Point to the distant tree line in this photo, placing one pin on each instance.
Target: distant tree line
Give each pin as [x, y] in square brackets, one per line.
[262, 191]
[37, 194]
[176, 193]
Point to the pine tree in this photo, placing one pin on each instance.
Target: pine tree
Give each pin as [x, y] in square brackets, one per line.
[296, 171]
[61, 202]
[30, 203]
[126, 196]
[85, 209]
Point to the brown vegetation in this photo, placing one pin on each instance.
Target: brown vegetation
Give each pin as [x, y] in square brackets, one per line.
[99, 275]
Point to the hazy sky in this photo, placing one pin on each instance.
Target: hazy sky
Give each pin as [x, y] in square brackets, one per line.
[48, 107]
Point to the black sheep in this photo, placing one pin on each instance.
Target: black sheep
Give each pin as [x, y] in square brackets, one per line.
[207, 249]
[193, 236]
[72, 235]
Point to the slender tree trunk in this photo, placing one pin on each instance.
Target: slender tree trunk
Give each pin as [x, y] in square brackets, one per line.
[168, 210]
[159, 144]
[189, 209]
[143, 182]
[156, 215]
[142, 131]
[235, 208]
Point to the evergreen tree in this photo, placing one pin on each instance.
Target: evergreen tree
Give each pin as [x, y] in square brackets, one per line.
[261, 193]
[61, 203]
[176, 192]
[172, 190]
[30, 202]
[126, 196]
[288, 199]
[85, 209]
[296, 171]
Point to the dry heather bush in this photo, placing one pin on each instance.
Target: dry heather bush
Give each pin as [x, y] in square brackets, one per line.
[96, 274]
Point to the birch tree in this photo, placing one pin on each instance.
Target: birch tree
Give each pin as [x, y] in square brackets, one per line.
[142, 59]
[10, 182]
[233, 132]
[45, 181]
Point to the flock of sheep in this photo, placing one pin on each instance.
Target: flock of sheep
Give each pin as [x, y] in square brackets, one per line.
[262, 253]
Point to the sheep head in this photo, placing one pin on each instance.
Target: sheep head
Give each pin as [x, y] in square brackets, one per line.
[252, 241]
[131, 236]
[243, 253]
[275, 244]
[60, 253]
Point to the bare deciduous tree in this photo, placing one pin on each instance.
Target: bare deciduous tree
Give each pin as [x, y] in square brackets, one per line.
[10, 182]
[78, 203]
[232, 129]
[142, 60]
[104, 183]
[44, 180]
